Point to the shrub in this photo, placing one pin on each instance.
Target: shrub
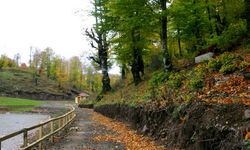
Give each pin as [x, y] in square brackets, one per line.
[196, 82]
[188, 97]
[158, 78]
[87, 102]
[196, 77]
[247, 144]
[244, 65]
[214, 64]
[227, 58]
[225, 63]
[201, 70]
[227, 69]
[175, 80]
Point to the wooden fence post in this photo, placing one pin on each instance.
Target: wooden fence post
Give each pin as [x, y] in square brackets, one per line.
[63, 119]
[25, 138]
[60, 122]
[40, 136]
[52, 130]
[0, 145]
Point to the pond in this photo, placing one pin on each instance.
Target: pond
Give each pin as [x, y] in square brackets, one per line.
[11, 122]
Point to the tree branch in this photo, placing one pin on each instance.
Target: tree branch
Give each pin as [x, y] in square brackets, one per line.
[91, 35]
[93, 46]
[95, 60]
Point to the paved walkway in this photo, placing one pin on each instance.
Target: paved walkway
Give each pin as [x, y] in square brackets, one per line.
[82, 138]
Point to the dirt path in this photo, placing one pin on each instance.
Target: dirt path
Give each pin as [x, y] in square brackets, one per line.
[96, 132]
[83, 137]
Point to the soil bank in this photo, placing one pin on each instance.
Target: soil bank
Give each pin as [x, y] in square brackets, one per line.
[192, 126]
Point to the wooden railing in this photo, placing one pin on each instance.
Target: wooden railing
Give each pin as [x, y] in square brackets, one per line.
[52, 126]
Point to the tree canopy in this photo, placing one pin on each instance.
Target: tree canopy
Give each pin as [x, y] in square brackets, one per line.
[137, 30]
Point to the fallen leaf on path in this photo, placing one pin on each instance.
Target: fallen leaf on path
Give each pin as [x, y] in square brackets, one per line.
[131, 140]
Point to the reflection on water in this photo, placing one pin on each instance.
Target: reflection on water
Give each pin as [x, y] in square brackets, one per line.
[11, 122]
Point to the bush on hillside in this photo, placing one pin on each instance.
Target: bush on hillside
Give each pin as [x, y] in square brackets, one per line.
[196, 82]
[227, 69]
[214, 64]
[244, 65]
[158, 78]
[228, 58]
[197, 77]
[201, 70]
[225, 63]
[175, 80]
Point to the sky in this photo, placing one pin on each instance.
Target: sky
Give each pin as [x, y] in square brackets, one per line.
[58, 24]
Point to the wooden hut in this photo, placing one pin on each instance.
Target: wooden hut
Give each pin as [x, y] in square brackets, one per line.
[81, 97]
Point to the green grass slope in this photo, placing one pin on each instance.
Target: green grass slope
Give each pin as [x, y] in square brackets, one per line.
[7, 101]
[18, 104]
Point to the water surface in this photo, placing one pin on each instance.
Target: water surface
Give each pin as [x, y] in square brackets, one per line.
[11, 122]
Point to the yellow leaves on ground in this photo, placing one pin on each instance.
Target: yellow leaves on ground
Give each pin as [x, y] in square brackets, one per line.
[131, 140]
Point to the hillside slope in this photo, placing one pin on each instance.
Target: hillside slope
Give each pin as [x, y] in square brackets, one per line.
[20, 83]
[206, 106]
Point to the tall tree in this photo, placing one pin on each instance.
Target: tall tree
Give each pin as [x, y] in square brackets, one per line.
[75, 72]
[99, 35]
[46, 57]
[35, 64]
[17, 58]
[134, 27]
[166, 57]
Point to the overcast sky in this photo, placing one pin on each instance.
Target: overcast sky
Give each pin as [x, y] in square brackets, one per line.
[57, 24]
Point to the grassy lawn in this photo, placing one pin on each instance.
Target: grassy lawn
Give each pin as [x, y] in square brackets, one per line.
[19, 104]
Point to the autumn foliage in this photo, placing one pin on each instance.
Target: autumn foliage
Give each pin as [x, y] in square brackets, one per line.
[132, 140]
[234, 90]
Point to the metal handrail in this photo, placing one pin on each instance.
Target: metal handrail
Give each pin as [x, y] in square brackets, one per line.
[62, 121]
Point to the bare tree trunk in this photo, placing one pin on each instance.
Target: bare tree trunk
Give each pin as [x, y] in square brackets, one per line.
[123, 72]
[136, 67]
[105, 80]
[166, 57]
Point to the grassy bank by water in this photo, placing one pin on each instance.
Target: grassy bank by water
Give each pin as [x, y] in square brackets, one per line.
[18, 104]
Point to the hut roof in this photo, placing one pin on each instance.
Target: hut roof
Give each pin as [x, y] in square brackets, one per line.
[83, 94]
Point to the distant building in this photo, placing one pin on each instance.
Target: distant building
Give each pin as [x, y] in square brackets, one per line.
[81, 97]
[23, 66]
